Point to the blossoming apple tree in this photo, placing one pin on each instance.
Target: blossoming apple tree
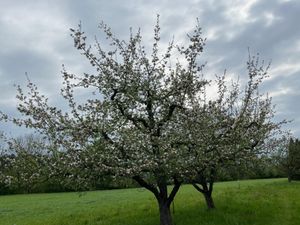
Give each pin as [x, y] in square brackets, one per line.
[150, 112]
[236, 127]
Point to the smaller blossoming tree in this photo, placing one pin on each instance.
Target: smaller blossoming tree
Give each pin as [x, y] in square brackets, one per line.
[234, 128]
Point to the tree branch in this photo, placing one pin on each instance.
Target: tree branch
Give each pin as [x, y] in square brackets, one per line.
[198, 188]
[144, 184]
[169, 115]
[174, 191]
[134, 120]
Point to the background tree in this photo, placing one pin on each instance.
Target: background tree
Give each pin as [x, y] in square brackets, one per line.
[27, 162]
[5, 179]
[28, 166]
[293, 160]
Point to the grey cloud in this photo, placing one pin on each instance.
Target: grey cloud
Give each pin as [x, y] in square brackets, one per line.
[44, 47]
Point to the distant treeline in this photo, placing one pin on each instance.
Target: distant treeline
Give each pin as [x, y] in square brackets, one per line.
[31, 170]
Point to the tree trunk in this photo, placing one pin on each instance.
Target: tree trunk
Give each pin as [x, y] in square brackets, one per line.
[206, 190]
[161, 194]
[209, 200]
[165, 214]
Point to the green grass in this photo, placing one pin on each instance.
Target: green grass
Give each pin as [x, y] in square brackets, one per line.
[253, 202]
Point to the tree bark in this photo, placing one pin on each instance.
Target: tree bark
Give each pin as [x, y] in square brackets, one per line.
[209, 200]
[165, 213]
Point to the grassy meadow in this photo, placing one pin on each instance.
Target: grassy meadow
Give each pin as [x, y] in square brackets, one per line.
[251, 202]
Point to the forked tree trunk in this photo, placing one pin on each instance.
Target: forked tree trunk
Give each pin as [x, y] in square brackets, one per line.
[206, 190]
[209, 200]
[161, 194]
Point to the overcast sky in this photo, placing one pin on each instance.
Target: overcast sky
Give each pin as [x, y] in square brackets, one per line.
[34, 38]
